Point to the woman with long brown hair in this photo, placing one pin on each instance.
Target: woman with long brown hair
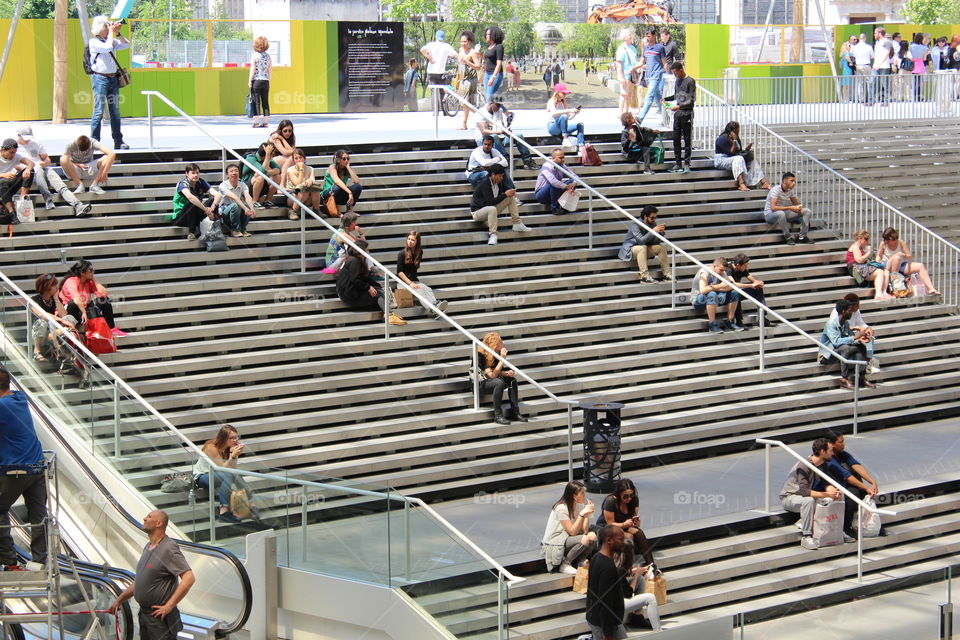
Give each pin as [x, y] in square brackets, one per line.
[497, 379]
[408, 265]
[568, 539]
[621, 509]
[285, 142]
[223, 451]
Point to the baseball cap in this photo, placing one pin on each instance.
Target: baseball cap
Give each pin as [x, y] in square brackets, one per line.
[25, 132]
[9, 143]
[561, 88]
[441, 35]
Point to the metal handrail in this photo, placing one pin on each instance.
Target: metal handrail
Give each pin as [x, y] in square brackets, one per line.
[860, 503]
[809, 158]
[190, 445]
[662, 239]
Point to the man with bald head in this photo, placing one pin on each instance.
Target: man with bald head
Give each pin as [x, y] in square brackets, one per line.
[162, 580]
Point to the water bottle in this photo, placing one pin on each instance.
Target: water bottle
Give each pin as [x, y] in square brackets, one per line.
[63, 256]
[916, 285]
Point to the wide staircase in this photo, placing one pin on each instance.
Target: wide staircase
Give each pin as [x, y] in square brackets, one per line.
[318, 392]
[911, 164]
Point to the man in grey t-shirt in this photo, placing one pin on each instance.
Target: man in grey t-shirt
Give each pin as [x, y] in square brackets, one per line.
[162, 580]
[783, 207]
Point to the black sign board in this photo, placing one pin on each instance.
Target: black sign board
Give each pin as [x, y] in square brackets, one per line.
[371, 66]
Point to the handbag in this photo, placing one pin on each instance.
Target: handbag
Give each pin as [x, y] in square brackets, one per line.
[249, 108]
[657, 586]
[123, 76]
[828, 522]
[240, 504]
[582, 578]
[177, 482]
[99, 338]
[402, 298]
[747, 156]
[568, 200]
[658, 152]
[906, 64]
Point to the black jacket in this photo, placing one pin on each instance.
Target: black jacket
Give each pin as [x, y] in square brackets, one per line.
[607, 587]
[645, 138]
[483, 196]
[685, 94]
[353, 282]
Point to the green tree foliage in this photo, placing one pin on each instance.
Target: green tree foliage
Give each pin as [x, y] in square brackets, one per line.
[588, 40]
[930, 11]
[485, 11]
[228, 30]
[406, 10]
[150, 38]
[31, 9]
[520, 39]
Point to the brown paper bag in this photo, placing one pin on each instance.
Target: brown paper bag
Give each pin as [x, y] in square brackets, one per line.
[658, 587]
[580, 580]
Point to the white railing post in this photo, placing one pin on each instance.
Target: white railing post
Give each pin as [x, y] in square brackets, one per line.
[569, 442]
[673, 277]
[766, 478]
[590, 220]
[386, 307]
[475, 358]
[762, 326]
[860, 542]
[149, 119]
[303, 242]
[856, 398]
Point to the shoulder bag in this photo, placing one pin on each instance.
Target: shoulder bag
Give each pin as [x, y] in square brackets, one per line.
[123, 76]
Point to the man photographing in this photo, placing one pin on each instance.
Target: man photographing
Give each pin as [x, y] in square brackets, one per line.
[106, 88]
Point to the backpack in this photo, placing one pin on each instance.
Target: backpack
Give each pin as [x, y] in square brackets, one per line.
[589, 156]
[898, 285]
[87, 60]
[213, 237]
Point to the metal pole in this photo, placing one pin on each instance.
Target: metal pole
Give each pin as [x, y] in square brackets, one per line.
[859, 542]
[569, 443]
[10, 34]
[476, 378]
[766, 480]
[303, 523]
[150, 120]
[856, 397]
[211, 495]
[760, 318]
[501, 635]
[303, 243]
[673, 277]
[223, 162]
[116, 419]
[406, 531]
[386, 308]
[590, 220]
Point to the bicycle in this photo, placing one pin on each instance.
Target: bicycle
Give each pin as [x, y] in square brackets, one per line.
[451, 106]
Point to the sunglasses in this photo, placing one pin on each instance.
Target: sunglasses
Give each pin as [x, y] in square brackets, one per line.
[286, 131]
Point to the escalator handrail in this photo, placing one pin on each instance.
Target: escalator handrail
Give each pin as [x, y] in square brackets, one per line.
[195, 547]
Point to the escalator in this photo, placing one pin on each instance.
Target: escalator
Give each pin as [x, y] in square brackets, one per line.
[217, 605]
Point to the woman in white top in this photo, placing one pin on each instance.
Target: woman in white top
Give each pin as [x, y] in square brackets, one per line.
[561, 115]
[223, 451]
[301, 181]
[261, 68]
[568, 540]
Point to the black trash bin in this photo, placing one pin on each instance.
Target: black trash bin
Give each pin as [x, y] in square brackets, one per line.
[601, 445]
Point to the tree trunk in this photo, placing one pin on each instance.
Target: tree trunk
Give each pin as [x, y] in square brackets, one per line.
[796, 42]
[60, 71]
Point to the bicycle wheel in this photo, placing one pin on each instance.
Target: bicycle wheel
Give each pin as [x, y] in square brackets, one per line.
[450, 105]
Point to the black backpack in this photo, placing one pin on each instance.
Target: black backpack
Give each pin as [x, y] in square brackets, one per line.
[87, 60]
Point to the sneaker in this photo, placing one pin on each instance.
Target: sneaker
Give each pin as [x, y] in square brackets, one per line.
[442, 305]
[84, 210]
[191, 237]
[676, 169]
[733, 326]
[236, 234]
[667, 277]
[645, 278]
[807, 542]
[293, 215]
[122, 146]
[649, 172]
[790, 240]
[118, 332]
[79, 189]
[568, 569]
[228, 516]
[873, 366]
[258, 205]
[492, 239]
[396, 320]
[268, 204]
[12, 567]
[530, 164]
[714, 327]
[804, 239]
[799, 525]
[687, 168]
[848, 538]
[245, 234]
[97, 189]
[556, 210]
[521, 228]
[49, 204]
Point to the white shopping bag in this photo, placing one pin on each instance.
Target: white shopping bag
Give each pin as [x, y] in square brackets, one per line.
[568, 200]
[24, 208]
[828, 522]
[569, 144]
[869, 525]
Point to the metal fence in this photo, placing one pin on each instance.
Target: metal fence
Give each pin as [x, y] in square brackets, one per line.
[165, 44]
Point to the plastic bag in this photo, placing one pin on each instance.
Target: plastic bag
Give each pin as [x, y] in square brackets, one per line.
[828, 522]
[869, 524]
[569, 144]
[24, 209]
[917, 286]
[569, 200]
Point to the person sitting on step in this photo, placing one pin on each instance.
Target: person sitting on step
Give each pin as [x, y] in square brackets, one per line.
[223, 450]
[621, 508]
[782, 207]
[16, 176]
[408, 269]
[738, 271]
[848, 343]
[640, 245]
[356, 288]
[799, 496]
[194, 200]
[79, 164]
[83, 296]
[895, 256]
[302, 183]
[709, 292]
[284, 141]
[483, 157]
[262, 160]
[337, 247]
[729, 153]
[561, 114]
[497, 378]
[567, 540]
[502, 118]
[341, 185]
[47, 179]
[236, 205]
[635, 141]
[490, 198]
[863, 267]
[47, 328]
[552, 181]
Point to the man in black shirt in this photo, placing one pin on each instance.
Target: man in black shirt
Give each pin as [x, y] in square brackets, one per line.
[669, 47]
[739, 272]
[607, 587]
[685, 94]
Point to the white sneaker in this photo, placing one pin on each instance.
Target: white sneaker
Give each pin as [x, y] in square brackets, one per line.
[492, 239]
[873, 366]
[568, 569]
[96, 188]
[521, 228]
[35, 566]
[442, 305]
[79, 189]
[808, 543]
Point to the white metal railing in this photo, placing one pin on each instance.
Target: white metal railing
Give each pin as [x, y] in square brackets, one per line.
[763, 309]
[854, 98]
[841, 204]
[475, 343]
[860, 504]
[32, 308]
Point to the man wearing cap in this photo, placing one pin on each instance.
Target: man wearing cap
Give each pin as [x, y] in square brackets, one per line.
[46, 177]
[106, 90]
[436, 53]
[13, 178]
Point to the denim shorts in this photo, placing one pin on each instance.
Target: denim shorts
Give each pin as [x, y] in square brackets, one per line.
[714, 298]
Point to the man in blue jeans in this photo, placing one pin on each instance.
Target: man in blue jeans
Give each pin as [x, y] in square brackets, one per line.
[21, 474]
[106, 90]
[654, 64]
[552, 181]
[709, 292]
